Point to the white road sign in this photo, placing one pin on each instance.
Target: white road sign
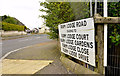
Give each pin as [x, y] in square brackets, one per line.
[77, 39]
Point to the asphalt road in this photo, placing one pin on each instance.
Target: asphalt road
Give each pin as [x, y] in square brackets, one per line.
[13, 44]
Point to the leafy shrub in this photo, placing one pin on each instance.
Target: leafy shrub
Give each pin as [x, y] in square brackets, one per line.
[11, 27]
[114, 29]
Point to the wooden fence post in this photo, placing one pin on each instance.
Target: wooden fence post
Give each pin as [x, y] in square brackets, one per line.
[99, 47]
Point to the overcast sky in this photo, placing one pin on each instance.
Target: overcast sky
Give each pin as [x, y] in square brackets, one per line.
[27, 11]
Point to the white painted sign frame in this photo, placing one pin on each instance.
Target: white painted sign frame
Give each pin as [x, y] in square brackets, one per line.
[86, 34]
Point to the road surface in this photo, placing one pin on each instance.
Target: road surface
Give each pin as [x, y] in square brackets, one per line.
[43, 58]
[13, 44]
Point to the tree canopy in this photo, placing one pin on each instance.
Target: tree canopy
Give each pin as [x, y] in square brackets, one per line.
[9, 19]
[57, 13]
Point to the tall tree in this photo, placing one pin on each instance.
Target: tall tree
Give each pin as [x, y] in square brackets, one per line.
[57, 13]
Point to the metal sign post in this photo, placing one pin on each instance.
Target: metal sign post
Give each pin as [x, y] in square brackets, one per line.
[105, 34]
[91, 8]
[95, 7]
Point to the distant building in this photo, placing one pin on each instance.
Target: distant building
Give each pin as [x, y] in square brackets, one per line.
[35, 30]
[28, 30]
[43, 29]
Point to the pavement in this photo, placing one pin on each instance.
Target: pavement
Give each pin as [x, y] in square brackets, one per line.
[42, 58]
[14, 37]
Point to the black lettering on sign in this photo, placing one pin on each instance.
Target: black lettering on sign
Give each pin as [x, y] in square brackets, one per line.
[82, 36]
[88, 44]
[64, 45]
[91, 44]
[85, 22]
[63, 35]
[75, 30]
[65, 50]
[62, 40]
[71, 47]
[71, 25]
[62, 26]
[71, 36]
[84, 44]
[72, 53]
[71, 30]
[83, 57]
[68, 41]
[83, 50]
[81, 23]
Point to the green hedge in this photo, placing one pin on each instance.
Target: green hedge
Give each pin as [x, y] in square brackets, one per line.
[11, 27]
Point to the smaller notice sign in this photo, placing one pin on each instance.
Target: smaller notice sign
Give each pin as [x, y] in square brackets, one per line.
[77, 39]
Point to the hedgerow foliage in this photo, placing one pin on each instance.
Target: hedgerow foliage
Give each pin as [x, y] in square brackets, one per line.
[10, 24]
[11, 27]
[9, 19]
[114, 29]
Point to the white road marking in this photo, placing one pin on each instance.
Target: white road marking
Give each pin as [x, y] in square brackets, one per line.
[16, 49]
[1, 59]
[12, 52]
